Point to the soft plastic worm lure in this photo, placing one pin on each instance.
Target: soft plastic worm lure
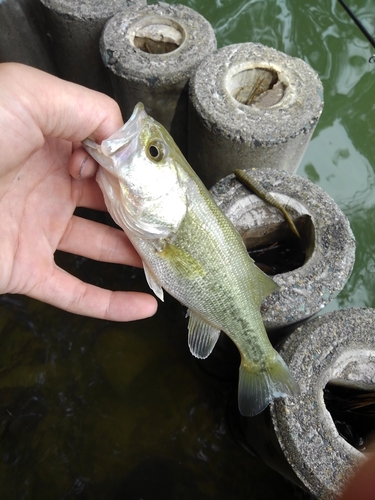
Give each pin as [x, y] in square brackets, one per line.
[259, 190]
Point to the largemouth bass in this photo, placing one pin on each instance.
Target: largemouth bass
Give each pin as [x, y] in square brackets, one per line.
[190, 249]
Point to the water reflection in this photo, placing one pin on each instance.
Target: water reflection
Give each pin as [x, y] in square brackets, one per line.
[334, 161]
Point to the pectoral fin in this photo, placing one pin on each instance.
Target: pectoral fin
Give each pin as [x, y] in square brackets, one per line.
[186, 265]
[202, 337]
[152, 283]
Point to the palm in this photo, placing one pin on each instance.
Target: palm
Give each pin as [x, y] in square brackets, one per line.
[41, 198]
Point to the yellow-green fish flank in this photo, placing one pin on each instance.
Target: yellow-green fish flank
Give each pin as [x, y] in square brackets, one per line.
[191, 250]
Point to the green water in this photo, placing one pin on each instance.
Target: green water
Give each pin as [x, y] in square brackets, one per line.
[94, 410]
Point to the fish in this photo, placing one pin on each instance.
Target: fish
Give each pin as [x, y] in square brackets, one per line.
[191, 250]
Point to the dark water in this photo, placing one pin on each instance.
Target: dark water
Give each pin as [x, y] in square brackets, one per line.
[91, 409]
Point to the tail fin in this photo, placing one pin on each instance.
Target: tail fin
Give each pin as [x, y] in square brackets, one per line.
[258, 386]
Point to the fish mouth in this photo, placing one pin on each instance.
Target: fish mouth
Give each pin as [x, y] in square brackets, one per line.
[116, 150]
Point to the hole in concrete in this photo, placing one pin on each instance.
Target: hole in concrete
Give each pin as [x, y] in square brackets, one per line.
[158, 36]
[257, 86]
[276, 249]
[353, 412]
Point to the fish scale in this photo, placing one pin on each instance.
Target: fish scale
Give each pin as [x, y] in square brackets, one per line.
[190, 249]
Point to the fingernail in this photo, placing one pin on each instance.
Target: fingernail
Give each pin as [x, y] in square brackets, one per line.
[82, 166]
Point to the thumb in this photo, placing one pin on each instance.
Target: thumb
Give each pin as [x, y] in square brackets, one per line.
[34, 105]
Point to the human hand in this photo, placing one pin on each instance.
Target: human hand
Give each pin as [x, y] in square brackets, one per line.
[362, 484]
[44, 176]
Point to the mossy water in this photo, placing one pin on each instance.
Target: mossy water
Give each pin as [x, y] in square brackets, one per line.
[91, 409]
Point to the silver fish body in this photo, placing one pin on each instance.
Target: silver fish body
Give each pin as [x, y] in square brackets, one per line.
[190, 249]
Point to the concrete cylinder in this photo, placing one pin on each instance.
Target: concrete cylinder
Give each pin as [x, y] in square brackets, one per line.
[319, 263]
[75, 28]
[151, 54]
[22, 37]
[337, 348]
[251, 106]
[313, 439]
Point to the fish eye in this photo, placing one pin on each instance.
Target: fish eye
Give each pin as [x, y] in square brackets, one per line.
[155, 151]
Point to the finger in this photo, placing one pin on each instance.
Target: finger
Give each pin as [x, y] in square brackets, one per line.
[362, 485]
[81, 164]
[73, 295]
[76, 145]
[70, 111]
[98, 242]
[65, 110]
[87, 193]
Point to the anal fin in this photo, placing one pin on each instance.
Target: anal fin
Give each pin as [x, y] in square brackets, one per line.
[202, 337]
[266, 284]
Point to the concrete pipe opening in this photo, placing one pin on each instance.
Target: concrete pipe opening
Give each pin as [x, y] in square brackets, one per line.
[151, 53]
[75, 29]
[260, 87]
[349, 397]
[251, 106]
[273, 245]
[157, 35]
[310, 271]
[324, 432]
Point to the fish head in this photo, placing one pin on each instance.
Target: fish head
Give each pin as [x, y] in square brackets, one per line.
[144, 187]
